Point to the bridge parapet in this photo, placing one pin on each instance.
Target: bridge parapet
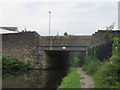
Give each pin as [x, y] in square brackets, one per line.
[65, 41]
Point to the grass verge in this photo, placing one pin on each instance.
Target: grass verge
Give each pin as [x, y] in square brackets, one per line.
[72, 80]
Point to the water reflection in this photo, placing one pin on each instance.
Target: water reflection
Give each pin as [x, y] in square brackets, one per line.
[33, 78]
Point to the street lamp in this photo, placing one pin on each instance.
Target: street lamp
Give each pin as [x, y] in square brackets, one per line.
[49, 21]
[49, 30]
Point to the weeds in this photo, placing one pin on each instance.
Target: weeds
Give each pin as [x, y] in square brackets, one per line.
[11, 63]
[106, 74]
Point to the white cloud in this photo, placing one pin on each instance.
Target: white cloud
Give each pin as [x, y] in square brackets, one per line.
[59, 0]
[74, 18]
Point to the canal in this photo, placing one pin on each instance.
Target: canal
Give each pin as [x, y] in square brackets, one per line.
[33, 78]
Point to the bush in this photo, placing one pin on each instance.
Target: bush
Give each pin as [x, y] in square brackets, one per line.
[108, 75]
[91, 65]
[116, 47]
[12, 63]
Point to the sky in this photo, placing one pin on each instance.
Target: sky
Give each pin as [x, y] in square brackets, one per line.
[75, 17]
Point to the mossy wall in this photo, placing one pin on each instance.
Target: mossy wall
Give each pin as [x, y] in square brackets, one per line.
[23, 46]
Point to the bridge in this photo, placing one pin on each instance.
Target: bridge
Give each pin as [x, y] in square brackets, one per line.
[64, 43]
[47, 51]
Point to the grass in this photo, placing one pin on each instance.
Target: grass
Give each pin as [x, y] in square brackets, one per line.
[72, 80]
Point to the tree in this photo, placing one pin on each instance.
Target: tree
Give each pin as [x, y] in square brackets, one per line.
[111, 26]
[65, 34]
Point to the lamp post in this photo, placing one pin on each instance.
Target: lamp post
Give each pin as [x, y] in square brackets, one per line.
[49, 21]
[119, 15]
[49, 30]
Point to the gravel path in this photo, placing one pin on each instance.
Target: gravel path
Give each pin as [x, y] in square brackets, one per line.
[86, 80]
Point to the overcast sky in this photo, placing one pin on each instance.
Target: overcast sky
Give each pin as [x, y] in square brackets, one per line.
[76, 18]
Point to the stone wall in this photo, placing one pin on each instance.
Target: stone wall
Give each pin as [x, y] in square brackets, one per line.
[24, 46]
[102, 46]
[99, 37]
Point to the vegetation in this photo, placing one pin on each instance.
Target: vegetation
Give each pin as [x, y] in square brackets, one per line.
[111, 26]
[77, 59]
[106, 74]
[108, 34]
[11, 63]
[65, 34]
[91, 65]
[116, 47]
[72, 80]
[92, 51]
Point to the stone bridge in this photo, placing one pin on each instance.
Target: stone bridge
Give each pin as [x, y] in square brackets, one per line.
[64, 43]
[47, 51]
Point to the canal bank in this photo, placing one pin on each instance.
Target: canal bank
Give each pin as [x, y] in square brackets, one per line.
[76, 78]
[71, 80]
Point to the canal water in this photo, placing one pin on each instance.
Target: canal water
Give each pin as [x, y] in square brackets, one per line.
[33, 78]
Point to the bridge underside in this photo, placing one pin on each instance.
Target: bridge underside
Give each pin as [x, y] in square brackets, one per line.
[56, 59]
[64, 48]
[59, 56]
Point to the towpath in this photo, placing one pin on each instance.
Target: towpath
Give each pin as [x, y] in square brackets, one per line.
[86, 80]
